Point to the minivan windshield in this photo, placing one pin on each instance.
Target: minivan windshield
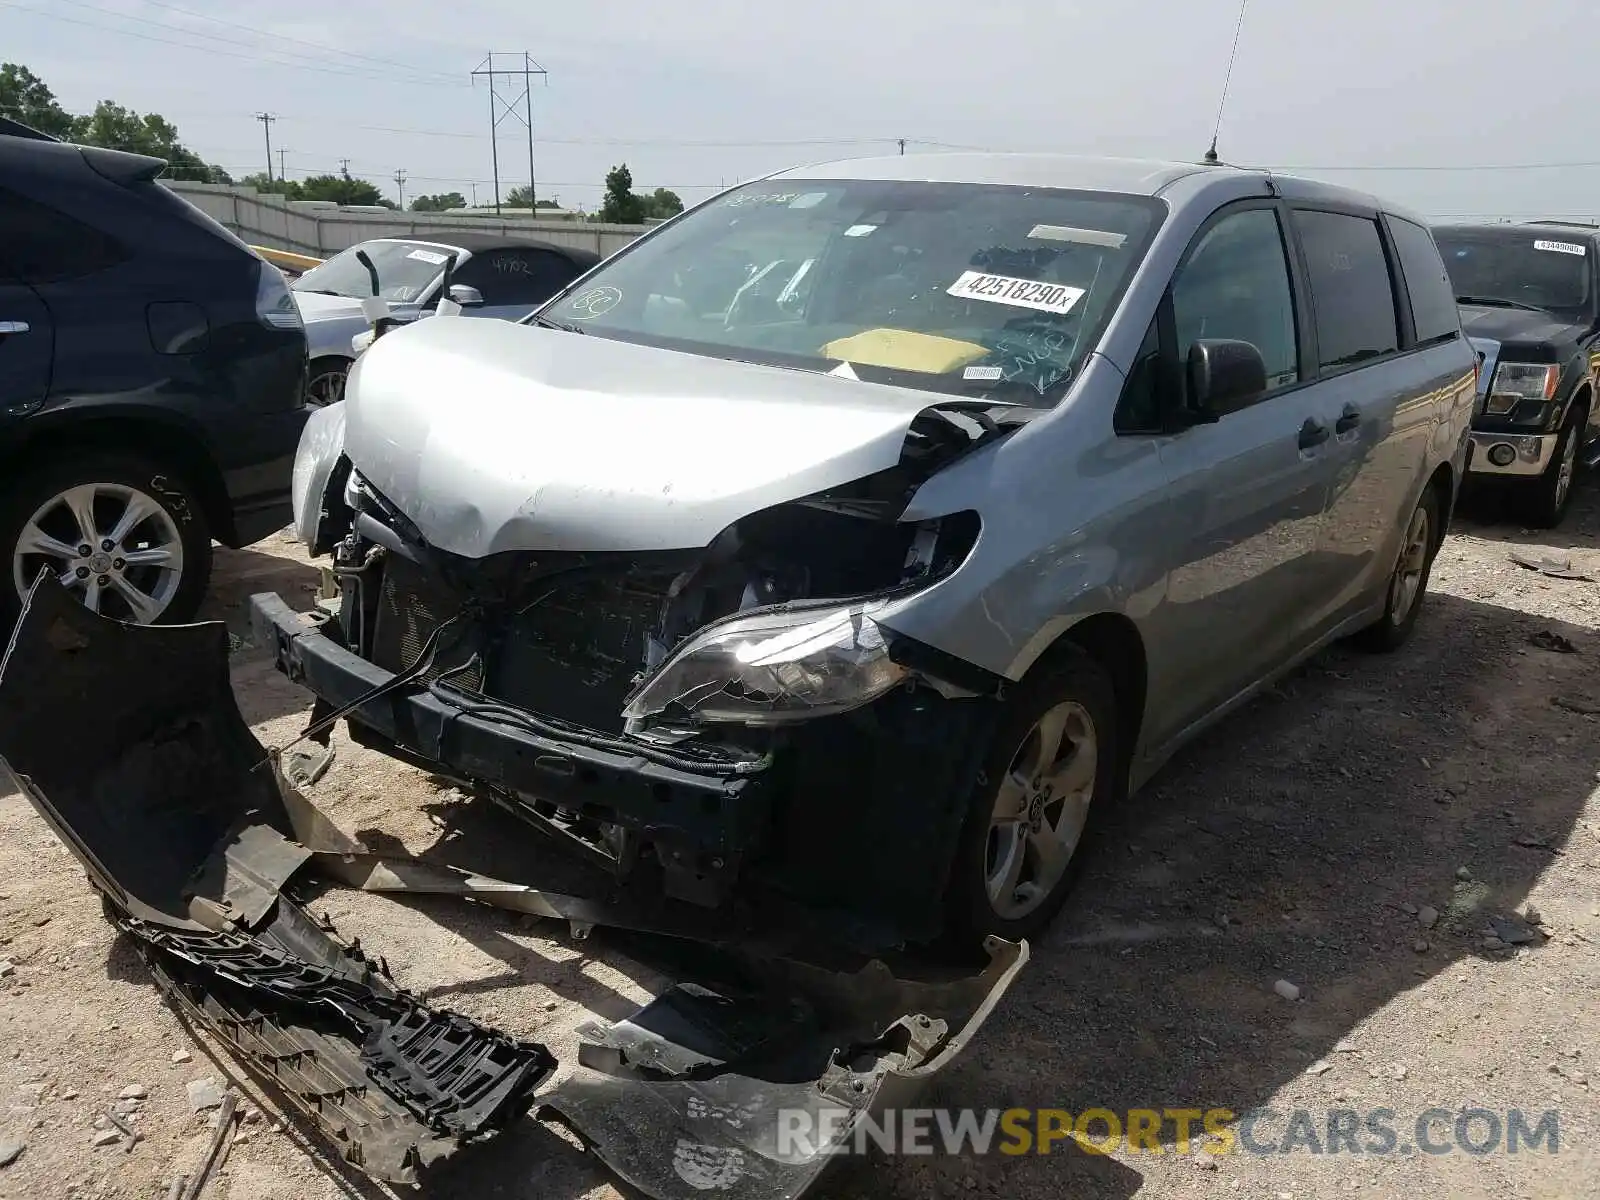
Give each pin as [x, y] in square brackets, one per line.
[1517, 267]
[962, 288]
[406, 270]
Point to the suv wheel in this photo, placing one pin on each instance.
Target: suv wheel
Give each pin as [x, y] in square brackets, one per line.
[1543, 502]
[129, 539]
[1051, 768]
[325, 382]
[1408, 581]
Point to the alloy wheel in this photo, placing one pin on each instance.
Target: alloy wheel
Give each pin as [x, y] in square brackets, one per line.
[1567, 469]
[1408, 572]
[325, 388]
[115, 546]
[1041, 810]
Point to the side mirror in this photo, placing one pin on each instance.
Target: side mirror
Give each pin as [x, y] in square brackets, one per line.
[1224, 376]
[465, 295]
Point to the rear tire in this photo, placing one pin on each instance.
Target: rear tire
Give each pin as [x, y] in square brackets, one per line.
[1542, 503]
[158, 564]
[1408, 579]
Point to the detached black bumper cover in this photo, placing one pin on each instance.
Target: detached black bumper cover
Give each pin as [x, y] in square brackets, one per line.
[190, 844]
[192, 841]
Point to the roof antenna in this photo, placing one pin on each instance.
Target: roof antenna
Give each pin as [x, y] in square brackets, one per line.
[1211, 158]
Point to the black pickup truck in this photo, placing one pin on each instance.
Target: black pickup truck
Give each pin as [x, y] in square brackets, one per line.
[1530, 303]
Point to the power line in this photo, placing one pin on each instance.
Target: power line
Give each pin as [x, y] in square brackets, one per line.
[283, 37]
[257, 59]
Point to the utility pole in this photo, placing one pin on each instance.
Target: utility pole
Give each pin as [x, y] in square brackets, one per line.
[902, 147]
[474, 193]
[400, 182]
[500, 108]
[344, 167]
[266, 120]
[283, 171]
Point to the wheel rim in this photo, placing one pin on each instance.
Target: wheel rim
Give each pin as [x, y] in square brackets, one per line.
[1413, 562]
[1040, 810]
[325, 388]
[114, 546]
[1567, 469]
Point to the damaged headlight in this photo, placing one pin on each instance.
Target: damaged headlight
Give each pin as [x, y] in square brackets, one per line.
[774, 667]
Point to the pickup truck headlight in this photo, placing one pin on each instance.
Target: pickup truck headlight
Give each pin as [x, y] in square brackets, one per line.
[774, 667]
[1515, 383]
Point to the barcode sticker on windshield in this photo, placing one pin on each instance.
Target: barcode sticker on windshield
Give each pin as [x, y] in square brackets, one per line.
[429, 256]
[1023, 293]
[1561, 247]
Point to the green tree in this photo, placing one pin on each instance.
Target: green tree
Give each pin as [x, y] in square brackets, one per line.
[118, 128]
[443, 202]
[621, 206]
[25, 97]
[662, 204]
[519, 196]
[287, 188]
[341, 189]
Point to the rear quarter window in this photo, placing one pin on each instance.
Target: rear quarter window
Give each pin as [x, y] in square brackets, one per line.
[42, 245]
[1350, 287]
[1433, 302]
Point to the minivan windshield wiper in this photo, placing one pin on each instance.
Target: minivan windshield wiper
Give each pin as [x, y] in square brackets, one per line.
[1497, 302]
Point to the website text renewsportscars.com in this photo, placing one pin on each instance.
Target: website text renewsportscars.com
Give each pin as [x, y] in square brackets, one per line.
[804, 1133]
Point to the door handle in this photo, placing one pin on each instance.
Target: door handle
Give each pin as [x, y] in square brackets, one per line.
[13, 327]
[1348, 419]
[1312, 433]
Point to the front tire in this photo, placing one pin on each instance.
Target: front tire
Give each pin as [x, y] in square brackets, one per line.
[1408, 581]
[128, 537]
[325, 382]
[1051, 770]
[1543, 503]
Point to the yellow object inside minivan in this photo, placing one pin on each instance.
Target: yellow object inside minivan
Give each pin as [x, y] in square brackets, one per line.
[904, 350]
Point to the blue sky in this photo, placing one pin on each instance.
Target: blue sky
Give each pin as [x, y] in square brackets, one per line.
[699, 93]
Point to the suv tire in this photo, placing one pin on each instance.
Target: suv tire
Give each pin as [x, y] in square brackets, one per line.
[1014, 869]
[99, 489]
[1408, 579]
[1543, 503]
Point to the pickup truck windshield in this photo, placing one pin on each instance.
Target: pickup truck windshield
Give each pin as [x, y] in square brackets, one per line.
[961, 288]
[1520, 268]
[405, 271]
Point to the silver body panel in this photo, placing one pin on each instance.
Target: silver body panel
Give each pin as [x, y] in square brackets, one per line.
[1231, 550]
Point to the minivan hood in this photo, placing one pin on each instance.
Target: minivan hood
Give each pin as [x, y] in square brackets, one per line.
[491, 436]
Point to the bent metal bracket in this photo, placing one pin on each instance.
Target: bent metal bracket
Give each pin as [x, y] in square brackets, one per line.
[191, 845]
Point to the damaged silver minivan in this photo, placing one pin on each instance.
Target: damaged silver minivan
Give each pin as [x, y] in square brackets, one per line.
[851, 541]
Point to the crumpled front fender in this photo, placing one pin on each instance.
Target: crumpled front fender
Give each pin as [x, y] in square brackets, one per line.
[321, 450]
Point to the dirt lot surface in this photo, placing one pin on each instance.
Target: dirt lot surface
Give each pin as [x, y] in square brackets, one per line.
[1304, 840]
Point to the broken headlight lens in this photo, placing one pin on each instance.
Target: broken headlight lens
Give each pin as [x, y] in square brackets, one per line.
[772, 668]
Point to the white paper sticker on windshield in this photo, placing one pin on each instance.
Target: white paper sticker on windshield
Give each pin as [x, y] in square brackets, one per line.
[859, 230]
[429, 256]
[809, 200]
[1560, 247]
[1086, 237]
[1022, 293]
[982, 374]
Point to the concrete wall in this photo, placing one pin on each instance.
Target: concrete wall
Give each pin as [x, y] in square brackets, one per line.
[267, 220]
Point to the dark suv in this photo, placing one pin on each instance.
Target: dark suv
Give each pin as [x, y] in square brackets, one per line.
[151, 383]
[1530, 303]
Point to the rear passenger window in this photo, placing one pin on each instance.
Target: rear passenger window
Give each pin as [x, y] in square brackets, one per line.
[1350, 288]
[1235, 285]
[38, 244]
[1433, 299]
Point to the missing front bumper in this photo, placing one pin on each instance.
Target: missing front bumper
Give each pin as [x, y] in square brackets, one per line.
[183, 823]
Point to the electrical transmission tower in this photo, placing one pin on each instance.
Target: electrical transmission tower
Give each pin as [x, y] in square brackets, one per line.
[266, 120]
[500, 108]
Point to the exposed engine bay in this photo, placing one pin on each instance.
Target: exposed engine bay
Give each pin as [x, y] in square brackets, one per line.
[199, 846]
[770, 715]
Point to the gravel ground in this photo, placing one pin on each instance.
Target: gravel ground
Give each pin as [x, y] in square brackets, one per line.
[1304, 840]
